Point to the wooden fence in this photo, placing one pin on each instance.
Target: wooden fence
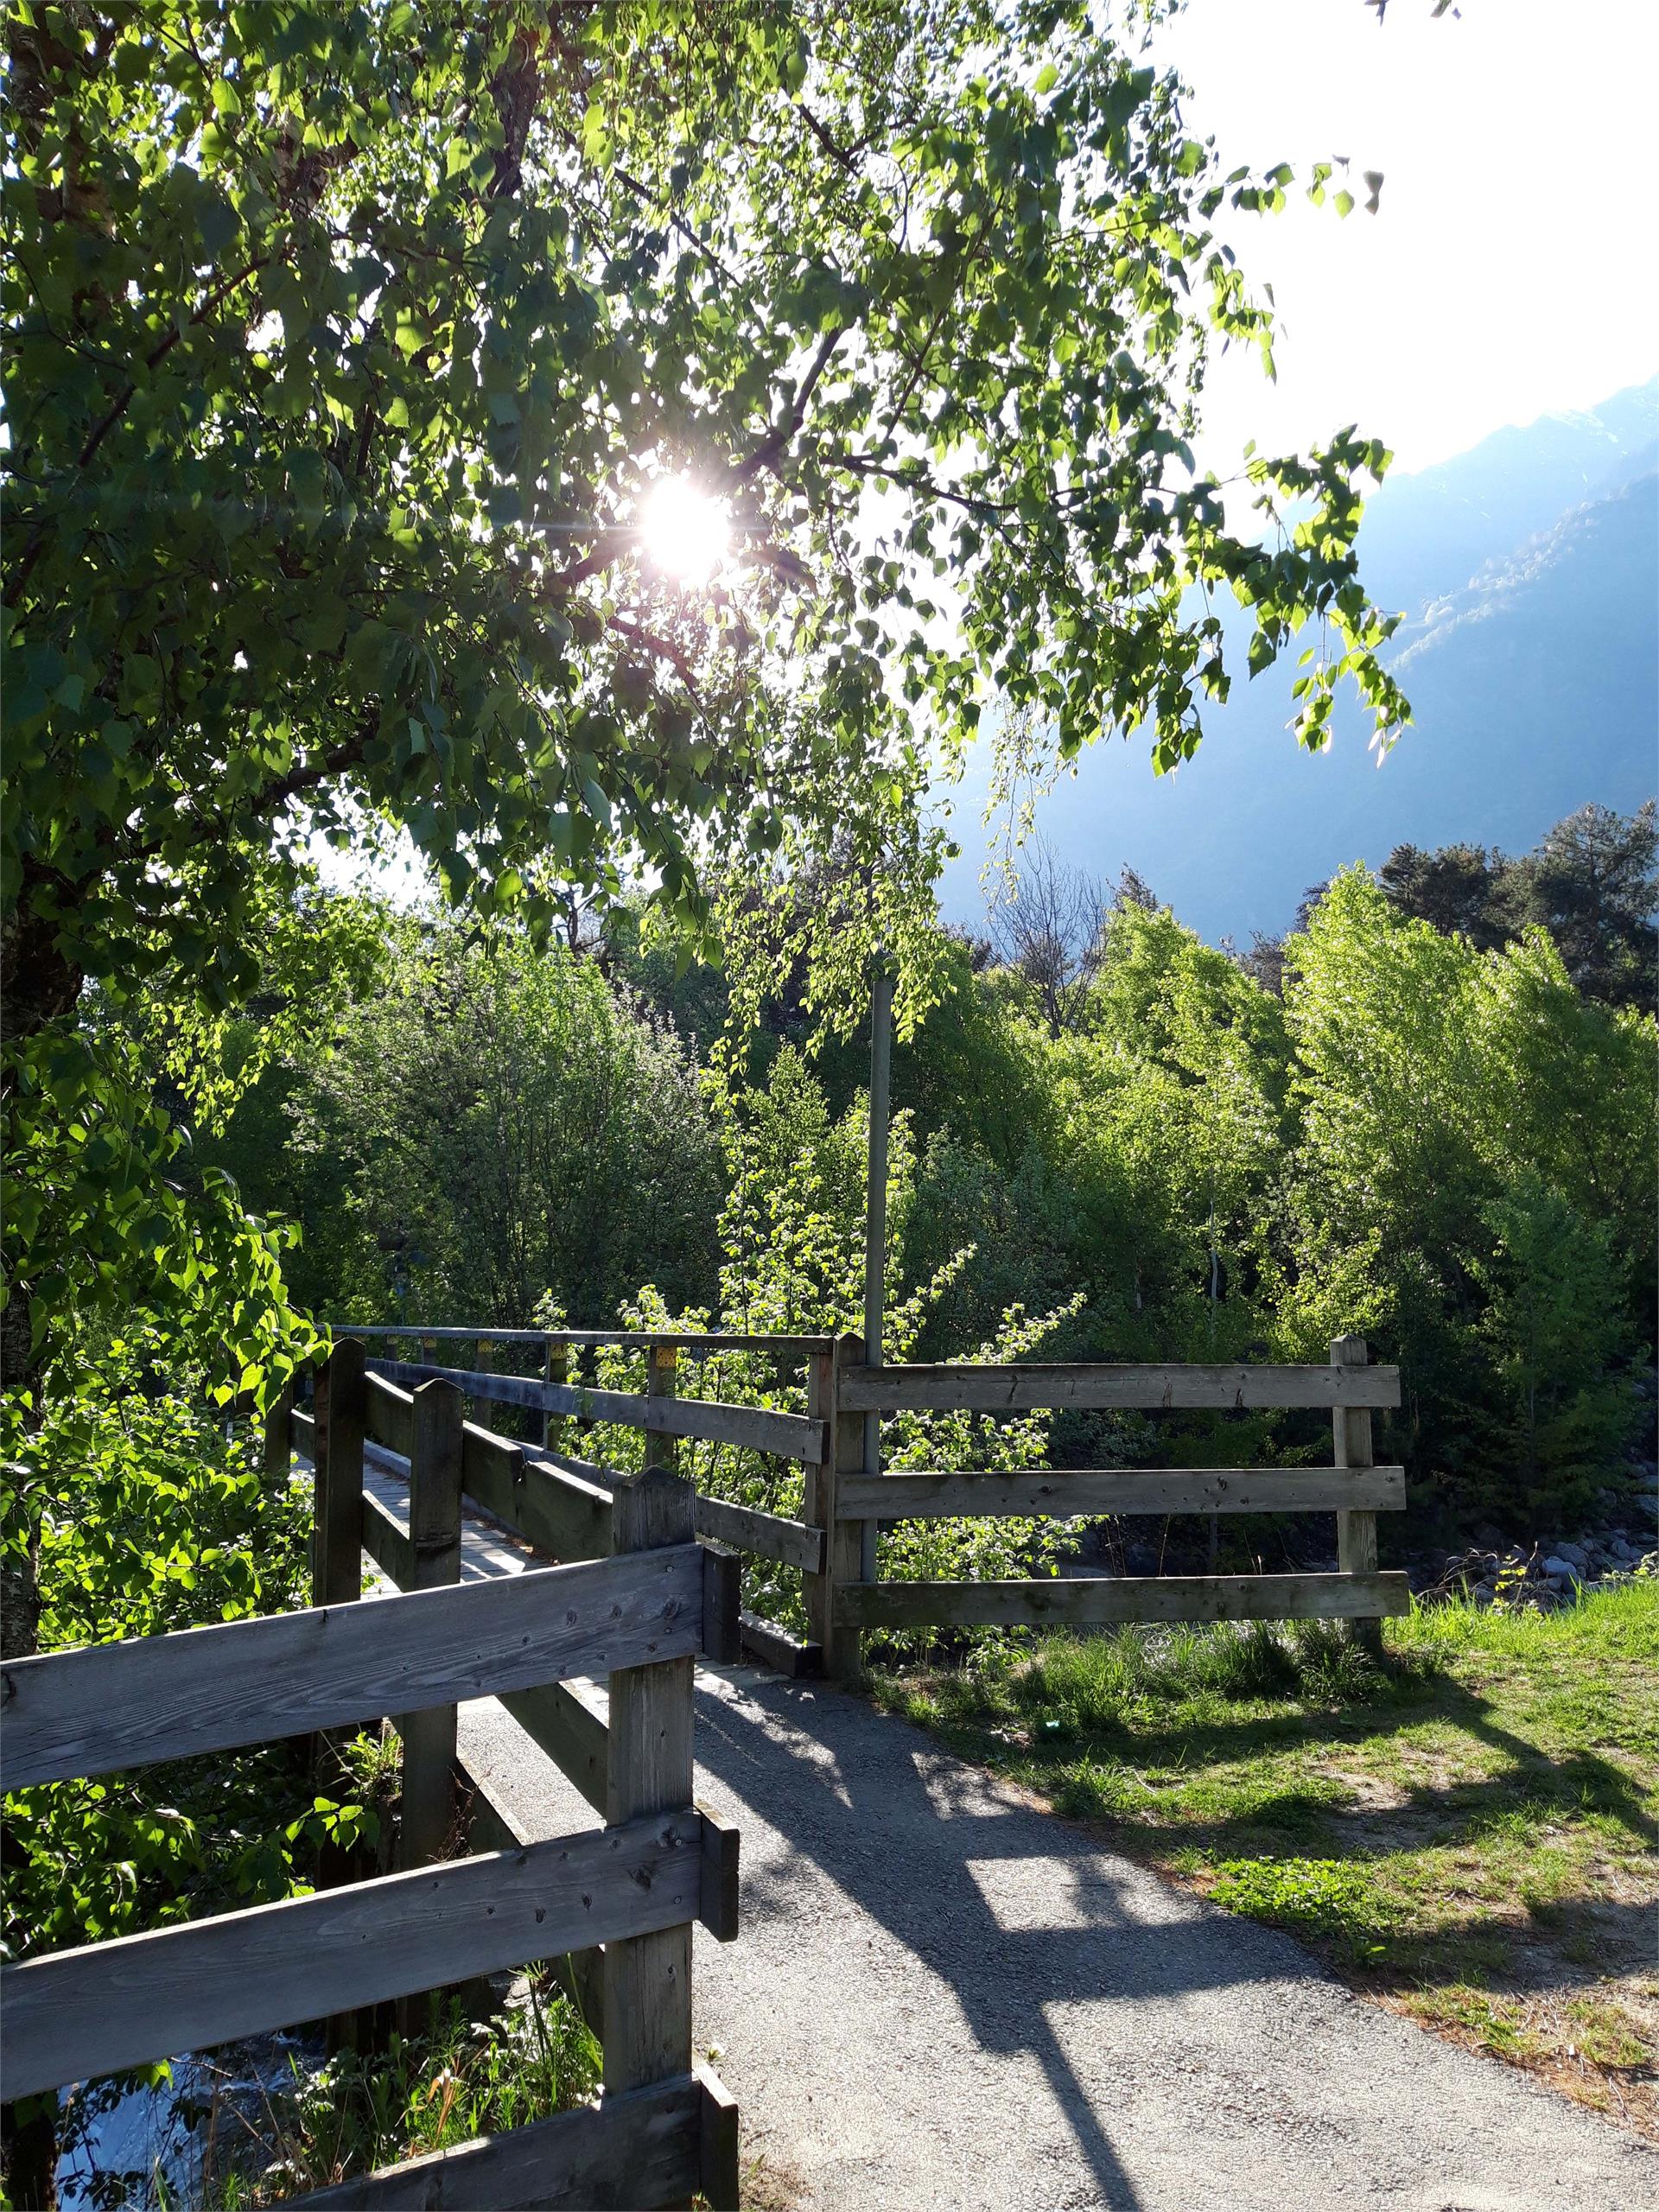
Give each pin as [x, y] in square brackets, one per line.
[595, 1657]
[559, 1498]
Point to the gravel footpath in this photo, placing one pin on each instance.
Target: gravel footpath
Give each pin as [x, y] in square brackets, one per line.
[943, 1999]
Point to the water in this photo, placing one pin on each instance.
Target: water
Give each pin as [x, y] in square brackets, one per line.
[147, 2149]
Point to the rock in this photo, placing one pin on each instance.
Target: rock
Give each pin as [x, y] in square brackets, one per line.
[1560, 1570]
[1574, 1554]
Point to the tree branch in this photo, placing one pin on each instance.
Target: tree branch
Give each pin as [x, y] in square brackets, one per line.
[774, 442]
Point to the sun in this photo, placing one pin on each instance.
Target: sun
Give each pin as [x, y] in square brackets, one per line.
[683, 532]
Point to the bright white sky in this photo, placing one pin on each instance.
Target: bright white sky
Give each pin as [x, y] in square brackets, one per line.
[1511, 270]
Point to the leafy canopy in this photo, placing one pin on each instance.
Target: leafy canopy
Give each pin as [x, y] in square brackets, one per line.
[345, 340]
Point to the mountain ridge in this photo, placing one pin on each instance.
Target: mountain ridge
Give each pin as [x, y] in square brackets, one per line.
[1528, 571]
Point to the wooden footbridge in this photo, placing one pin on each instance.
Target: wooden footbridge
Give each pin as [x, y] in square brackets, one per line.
[593, 1657]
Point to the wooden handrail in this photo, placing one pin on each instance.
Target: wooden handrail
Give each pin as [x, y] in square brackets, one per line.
[207, 1690]
[1067, 1492]
[704, 1340]
[1169, 1387]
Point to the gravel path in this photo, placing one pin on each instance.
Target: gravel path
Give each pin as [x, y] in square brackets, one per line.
[945, 2000]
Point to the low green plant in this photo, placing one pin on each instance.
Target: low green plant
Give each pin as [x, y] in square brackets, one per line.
[1315, 1897]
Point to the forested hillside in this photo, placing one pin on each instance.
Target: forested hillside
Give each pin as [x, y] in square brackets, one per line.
[1524, 570]
[1427, 1116]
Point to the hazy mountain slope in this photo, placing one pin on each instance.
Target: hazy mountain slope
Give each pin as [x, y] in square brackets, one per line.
[1532, 661]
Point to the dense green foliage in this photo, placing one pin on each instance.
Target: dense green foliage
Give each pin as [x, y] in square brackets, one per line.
[1449, 1149]
[1590, 883]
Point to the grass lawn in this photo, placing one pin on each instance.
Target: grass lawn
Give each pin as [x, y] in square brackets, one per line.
[1466, 1833]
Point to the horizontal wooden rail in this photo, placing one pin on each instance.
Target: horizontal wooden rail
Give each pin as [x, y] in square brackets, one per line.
[769, 1535]
[81, 2013]
[570, 1722]
[694, 1340]
[789, 1436]
[206, 1689]
[635, 2146]
[389, 1413]
[563, 1505]
[1069, 1491]
[789, 1654]
[386, 1539]
[1091, 1601]
[559, 1513]
[957, 1388]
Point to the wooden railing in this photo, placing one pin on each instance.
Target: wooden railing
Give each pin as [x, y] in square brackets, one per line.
[840, 1497]
[621, 1899]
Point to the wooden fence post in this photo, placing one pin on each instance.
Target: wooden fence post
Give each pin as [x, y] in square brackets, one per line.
[279, 1430]
[842, 1539]
[1351, 1428]
[342, 1411]
[427, 1810]
[646, 2025]
[662, 1381]
[556, 1370]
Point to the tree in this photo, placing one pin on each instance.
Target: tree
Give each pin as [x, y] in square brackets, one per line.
[1047, 929]
[1594, 885]
[512, 1129]
[1451, 889]
[1591, 882]
[341, 359]
[1483, 1137]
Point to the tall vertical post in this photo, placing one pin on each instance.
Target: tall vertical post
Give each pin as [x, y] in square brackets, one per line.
[875, 1223]
[662, 1381]
[277, 1452]
[427, 1818]
[435, 1544]
[555, 1369]
[646, 2010]
[341, 1410]
[843, 1559]
[1351, 1428]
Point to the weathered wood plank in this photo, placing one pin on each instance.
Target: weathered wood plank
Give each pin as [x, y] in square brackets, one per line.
[789, 1436]
[569, 1722]
[710, 1342]
[718, 1910]
[205, 1689]
[1067, 1492]
[769, 1535]
[1351, 1432]
[116, 2005]
[390, 1413]
[427, 1806]
[634, 2149]
[1092, 1601]
[647, 1978]
[277, 1439]
[1025, 1388]
[558, 1513]
[718, 2146]
[303, 1428]
[722, 1600]
[776, 1647]
[337, 1532]
[387, 1541]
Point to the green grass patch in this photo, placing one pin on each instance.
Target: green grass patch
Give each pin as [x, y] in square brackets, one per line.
[1466, 1829]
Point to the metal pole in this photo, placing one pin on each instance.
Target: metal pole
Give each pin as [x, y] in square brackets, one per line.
[875, 1220]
